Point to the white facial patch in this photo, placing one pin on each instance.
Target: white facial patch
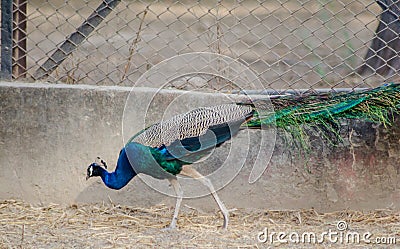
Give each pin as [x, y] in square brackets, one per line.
[91, 171]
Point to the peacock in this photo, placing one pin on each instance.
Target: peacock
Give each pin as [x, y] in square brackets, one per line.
[168, 148]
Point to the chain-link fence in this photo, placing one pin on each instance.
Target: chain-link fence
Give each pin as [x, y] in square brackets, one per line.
[289, 44]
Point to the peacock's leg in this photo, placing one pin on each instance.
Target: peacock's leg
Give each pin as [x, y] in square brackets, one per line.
[187, 170]
[179, 195]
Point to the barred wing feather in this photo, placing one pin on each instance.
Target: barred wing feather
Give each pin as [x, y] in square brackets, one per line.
[192, 124]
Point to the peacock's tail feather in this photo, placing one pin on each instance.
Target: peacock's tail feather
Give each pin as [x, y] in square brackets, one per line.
[375, 105]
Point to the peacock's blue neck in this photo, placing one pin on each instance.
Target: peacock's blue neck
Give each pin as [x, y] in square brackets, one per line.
[121, 176]
[137, 158]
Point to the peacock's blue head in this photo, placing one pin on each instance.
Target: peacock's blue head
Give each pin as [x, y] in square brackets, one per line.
[116, 180]
[94, 169]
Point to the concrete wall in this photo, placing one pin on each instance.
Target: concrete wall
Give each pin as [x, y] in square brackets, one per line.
[50, 133]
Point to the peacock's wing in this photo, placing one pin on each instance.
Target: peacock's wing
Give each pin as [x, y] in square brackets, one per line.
[194, 148]
[189, 136]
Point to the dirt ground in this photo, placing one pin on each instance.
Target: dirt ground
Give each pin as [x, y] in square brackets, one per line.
[113, 226]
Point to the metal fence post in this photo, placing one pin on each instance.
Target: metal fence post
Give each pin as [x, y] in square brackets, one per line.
[19, 37]
[6, 39]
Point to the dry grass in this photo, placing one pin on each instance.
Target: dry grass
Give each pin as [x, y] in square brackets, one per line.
[112, 226]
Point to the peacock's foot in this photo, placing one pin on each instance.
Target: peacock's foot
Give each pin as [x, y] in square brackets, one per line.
[170, 228]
